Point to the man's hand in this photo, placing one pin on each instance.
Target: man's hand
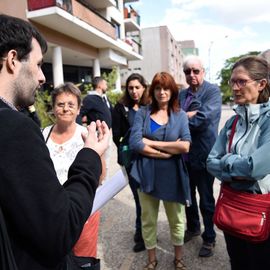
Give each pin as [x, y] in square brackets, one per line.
[191, 114]
[97, 137]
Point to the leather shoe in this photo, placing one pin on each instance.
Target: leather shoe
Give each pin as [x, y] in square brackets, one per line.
[139, 247]
[189, 235]
[207, 249]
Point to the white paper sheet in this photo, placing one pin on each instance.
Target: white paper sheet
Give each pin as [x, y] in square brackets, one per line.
[109, 189]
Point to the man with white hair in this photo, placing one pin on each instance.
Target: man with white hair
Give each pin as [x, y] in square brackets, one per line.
[202, 102]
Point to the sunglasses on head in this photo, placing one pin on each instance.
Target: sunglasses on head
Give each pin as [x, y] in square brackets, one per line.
[189, 70]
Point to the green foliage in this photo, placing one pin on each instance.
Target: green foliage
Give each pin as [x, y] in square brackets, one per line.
[114, 96]
[112, 93]
[111, 78]
[225, 75]
[44, 108]
[84, 87]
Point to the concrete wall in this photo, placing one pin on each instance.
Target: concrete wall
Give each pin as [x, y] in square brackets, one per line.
[14, 8]
[161, 52]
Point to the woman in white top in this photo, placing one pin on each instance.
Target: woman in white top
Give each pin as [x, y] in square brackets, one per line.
[64, 140]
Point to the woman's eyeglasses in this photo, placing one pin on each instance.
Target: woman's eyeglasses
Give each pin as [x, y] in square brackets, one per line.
[240, 83]
[189, 70]
[62, 105]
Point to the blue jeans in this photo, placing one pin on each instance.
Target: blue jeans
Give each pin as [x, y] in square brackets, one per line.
[134, 186]
[203, 182]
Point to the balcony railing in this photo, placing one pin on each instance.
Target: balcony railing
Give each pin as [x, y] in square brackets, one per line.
[39, 4]
[78, 9]
[132, 14]
[134, 43]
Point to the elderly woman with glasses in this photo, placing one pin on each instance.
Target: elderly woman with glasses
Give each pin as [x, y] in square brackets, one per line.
[64, 140]
[239, 156]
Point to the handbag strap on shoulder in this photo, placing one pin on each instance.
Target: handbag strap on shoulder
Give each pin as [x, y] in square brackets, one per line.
[49, 134]
[232, 132]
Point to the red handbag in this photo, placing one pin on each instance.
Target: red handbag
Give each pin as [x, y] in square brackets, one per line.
[242, 214]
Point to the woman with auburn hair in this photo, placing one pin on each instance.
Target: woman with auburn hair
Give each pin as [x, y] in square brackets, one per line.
[160, 134]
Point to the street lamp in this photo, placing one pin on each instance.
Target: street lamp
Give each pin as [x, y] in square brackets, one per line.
[209, 57]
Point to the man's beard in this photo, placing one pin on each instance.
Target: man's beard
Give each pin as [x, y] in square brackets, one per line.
[24, 89]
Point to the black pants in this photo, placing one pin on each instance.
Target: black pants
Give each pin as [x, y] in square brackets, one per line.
[245, 255]
[202, 181]
[134, 185]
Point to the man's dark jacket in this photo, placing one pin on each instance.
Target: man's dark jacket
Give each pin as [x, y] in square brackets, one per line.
[95, 109]
[204, 125]
[44, 218]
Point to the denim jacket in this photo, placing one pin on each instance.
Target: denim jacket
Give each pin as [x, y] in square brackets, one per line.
[204, 125]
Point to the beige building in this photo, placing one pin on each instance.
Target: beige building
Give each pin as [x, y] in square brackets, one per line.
[188, 47]
[161, 52]
[85, 37]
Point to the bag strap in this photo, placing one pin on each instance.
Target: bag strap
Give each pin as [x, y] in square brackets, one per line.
[125, 111]
[232, 132]
[48, 136]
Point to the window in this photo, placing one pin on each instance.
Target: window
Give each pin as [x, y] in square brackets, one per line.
[117, 28]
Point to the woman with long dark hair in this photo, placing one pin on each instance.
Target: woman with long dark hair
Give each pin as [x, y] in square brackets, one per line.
[135, 96]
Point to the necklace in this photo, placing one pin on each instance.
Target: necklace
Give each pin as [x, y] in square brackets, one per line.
[8, 103]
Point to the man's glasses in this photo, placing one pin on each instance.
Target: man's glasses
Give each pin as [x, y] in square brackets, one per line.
[240, 83]
[189, 70]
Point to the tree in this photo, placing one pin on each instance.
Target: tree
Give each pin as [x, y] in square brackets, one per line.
[44, 108]
[225, 75]
[111, 78]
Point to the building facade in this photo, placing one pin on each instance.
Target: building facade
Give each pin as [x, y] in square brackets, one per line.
[161, 52]
[188, 47]
[85, 37]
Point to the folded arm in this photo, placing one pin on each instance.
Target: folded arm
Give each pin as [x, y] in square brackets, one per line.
[173, 148]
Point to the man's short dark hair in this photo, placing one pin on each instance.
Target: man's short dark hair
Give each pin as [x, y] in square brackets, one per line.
[17, 34]
[96, 81]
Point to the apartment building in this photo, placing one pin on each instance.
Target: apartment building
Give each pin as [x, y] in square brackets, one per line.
[161, 52]
[188, 47]
[85, 37]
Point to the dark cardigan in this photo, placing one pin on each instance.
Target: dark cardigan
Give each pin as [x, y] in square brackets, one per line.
[120, 124]
[44, 218]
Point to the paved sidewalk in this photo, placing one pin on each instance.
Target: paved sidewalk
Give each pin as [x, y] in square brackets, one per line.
[117, 229]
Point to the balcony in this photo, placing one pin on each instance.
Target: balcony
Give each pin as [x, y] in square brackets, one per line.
[131, 20]
[130, 1]
[101, 4]
[39, 4]
[80, 23]
[46, 13]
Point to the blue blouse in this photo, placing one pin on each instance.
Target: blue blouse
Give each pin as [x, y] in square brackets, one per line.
[165, 179]
[154, 125]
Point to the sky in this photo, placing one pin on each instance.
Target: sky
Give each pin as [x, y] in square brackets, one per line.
[220, 28]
